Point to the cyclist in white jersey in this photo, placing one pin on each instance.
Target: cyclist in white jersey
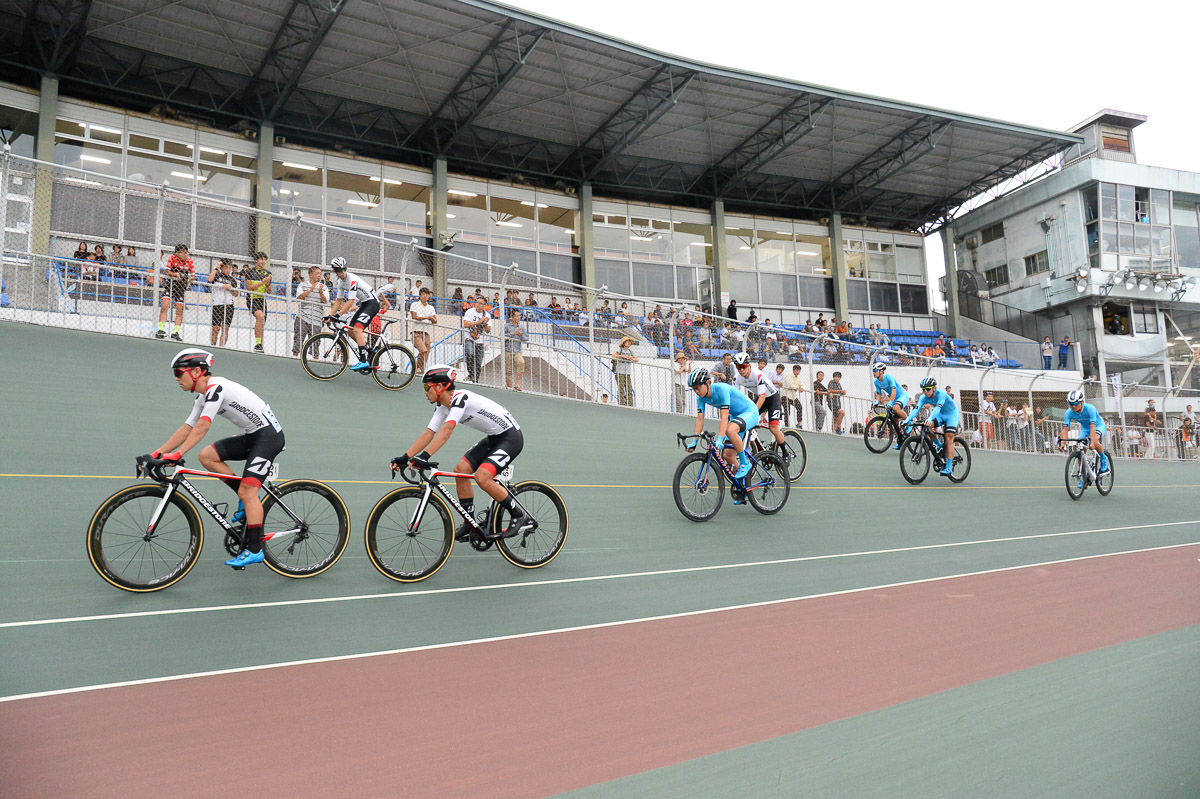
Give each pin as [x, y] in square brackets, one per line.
[356, 296]
[259, 445]
[764, 393]
[485, 460]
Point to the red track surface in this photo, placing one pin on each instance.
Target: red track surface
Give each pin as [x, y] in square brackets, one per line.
[540, 715]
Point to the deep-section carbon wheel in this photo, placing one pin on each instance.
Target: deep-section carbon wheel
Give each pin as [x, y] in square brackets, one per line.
[324, 357]
[403, 550]
[324, 528]
[393, 366]
[538, 546]
[129, 557]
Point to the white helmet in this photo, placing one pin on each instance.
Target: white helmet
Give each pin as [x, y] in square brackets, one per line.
[1075, 397]
[878, 367]
[192, 357]
[741, 358]
[338, 264]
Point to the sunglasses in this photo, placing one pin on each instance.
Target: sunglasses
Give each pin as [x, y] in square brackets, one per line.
[179, 372]
[1073, 404]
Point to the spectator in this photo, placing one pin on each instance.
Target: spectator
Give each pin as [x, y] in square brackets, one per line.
[793, 387]
[987, 418]
[1134, 436]
[1008, 414]
[836, 392]
[771, 341]
[258, 286]
[1186, 440]
[224, 287]
[476, 321]
[1153, 425]
[1188, 416]
[683, 365]
[1025, 427]
[424, 321]
[180, 270]
[992, 357]
[623, 360]
[530, 302]
[514, 362]
[1039, 439]
[820, 393]
[457, 304]
[819, 325]
[81, 252]
[313, 296]
[98, 254]
[732, 310]
[1064, 347]
[603, 397]
[296, 279]
[777, 378]
[1047, 353]
[556, 310]
[724, 370]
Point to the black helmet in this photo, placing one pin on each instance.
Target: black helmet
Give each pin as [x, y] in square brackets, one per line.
[440, 373]
[191, 357]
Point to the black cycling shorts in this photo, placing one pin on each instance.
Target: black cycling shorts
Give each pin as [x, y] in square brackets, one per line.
[175, 288]
[773, 408]
[256, 304]
[222, 315]
[365, 313]
[496, 452]
[258, 449]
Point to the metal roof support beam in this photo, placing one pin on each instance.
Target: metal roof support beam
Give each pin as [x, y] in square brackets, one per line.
[791, 124]
[647, 105]
[296, 41]
[54, 32]
[911, 144]
[482, 83]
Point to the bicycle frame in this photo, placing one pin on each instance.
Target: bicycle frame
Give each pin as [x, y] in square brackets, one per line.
[179, 480]
[431, 484]
[713, 455]
[373, 339]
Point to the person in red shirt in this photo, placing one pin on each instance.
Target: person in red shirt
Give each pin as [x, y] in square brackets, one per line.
[180, 271]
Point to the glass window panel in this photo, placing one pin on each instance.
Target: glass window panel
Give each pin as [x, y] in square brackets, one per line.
[910, 264]
[1162, 241]
[526, 260]
[1091, 209]
[1187, 235]
[243, 161]
[1093, 237]
[614, 274]
[686, 283]
[68, 127]
[178, 149]
[743, 287]
[18, 129]
[405, 209]
[557, 230]
[914, 300]
[882, 265]
[1108, 237]
[779, 290]
[611, 237]
[693, 244]
[653, 280]
[468, 218]
[225, 184]
[1161, 201]
[650, 240]
[813, 256]
[557, 270]
[884, 297]
[1108, 200]
[89, 156]
[1125, 203]
[816, 292]
[856, 264]
[1141, 239]
[297, 190]
[776, 252]
[513, 224]
[352, 200]
[739, 248]
[857, 295]
[1126, 237]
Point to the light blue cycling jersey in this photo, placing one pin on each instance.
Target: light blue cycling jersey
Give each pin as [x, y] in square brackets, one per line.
[944, 408]
[723, 395]
[885, 387]
[1087, 416]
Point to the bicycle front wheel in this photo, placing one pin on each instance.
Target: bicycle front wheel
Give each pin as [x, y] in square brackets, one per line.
[400, 545]
[132, 559]
[795, 454]
[321, 533]
[393, 366]
[538, 546]
[879, 435]
[1075, 475]
[324, 356]
[962, 461]
[767, 485]
[698, 487]
[914, 460]
[1104, 482]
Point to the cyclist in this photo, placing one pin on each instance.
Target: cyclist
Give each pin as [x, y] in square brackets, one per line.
[1091, 424]
[764, 394]
[890, 394]
[736, 415]
[360, 300]
[259, 445]
[485, 460]
[944, 411]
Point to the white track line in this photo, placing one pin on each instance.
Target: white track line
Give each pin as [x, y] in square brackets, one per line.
[597, 626]
[568, 580]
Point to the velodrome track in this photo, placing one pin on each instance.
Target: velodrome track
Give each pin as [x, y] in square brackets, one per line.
[873, 639]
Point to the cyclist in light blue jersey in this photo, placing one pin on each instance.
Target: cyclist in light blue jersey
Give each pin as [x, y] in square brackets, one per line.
[890, 394]
[736, 415]
[944, 411]
[1091, 424]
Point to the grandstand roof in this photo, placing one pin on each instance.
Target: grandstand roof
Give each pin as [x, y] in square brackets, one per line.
[505, 94]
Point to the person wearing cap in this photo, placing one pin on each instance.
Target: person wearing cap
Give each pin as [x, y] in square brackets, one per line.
[623, 361]
[180, 271]
[683, 365]
[987, 413]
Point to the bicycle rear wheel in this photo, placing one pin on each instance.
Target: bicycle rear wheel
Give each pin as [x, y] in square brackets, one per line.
[879, 435]
[698, 487]
[914, 459]
[1104, 483]
[1075, 476]
[405, 554]
[795, 453]
[768, 486]
[326, 524]
[962, 461]
[393, 366]
[539, 546]
[124, 554]
[324, 357]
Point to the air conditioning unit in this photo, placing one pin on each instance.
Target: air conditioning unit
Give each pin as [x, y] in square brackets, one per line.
[972, 242]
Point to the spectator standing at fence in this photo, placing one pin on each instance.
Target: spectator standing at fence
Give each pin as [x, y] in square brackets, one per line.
[623, 360]
[1025, 427]
[1047, 354]
[81, 252]
[313, 296]
[424, 321]
[777, 379]
[180, 270]
[820, 394]
[1064, 348]
[724, 371]
[258, 286]
[1153, 426]
[793, 387]
[224, 287]
[836, 392]
[476, 321]
[987, 418]
[683, 366]
[457, 304]
[1186, 439]
[1134, 436]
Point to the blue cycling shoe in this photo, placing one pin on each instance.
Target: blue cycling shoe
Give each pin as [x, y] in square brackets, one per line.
[743, 469]
[1104, 463]
[247, 558]
[949, 470]
[897, 447]
[239, 515]
[361, 366]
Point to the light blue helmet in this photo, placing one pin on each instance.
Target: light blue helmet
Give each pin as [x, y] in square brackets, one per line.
[929, 382]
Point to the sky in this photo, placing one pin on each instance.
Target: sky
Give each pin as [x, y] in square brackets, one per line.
[1048, 64]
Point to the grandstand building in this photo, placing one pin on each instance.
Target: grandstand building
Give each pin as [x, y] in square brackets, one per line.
[512, 138]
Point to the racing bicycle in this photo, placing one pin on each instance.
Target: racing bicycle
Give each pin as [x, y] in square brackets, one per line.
[410, 532]
[923, 448]
[326, 355]
[883, 431]
[794, 452]
[1083, 469]
[699, 482]
[148, 537]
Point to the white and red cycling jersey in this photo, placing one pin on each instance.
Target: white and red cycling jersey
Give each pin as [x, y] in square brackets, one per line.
[238, 404]
[757, 382]
[475, 411]
[353, 287]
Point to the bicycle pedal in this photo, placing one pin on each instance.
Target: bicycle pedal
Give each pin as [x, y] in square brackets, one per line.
[238, 568]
